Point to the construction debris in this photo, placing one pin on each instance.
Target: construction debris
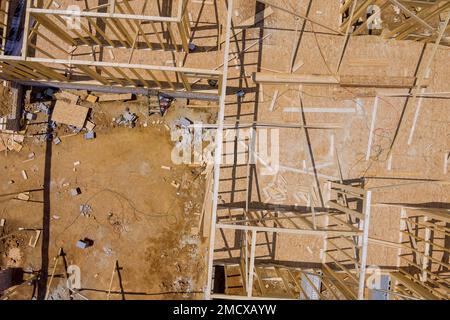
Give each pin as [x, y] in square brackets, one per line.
[85, 243]
[24, 196]
[127, 118]
[115, 97]
[85, 210]
[75, 192]
[89, 135]
[68, 97]
[91, 98]
[34, 240]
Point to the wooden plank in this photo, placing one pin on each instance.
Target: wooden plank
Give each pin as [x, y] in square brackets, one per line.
[287, 78]
[55, 29]
[343, 81]
[355, 214]
[252, 265]
[53, 274]
[413, 286]
[94, 75]
[103, 15]
[101, 32]
[115, 97]
[339, 283]
[187, 71]
[318, 232]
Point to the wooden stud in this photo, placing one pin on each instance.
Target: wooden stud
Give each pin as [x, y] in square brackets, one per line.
[143, 81]
[168, 80]
[116, 33]
[172, 36]
[125, 76]
[93, 74]
[153, 78]
[54, 28]
[100, 31]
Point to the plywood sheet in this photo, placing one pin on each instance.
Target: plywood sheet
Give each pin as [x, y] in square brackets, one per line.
[70, 114]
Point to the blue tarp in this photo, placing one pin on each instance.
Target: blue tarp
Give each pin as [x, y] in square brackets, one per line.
[13, 46]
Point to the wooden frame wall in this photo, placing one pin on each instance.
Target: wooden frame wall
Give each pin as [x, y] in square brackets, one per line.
[4, 12]
[346, 237]
[423, 252]
[345, 257]
[123, 20]
[120, 27]
[105, 73]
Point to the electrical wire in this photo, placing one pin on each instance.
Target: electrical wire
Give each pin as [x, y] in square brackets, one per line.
[170, 218]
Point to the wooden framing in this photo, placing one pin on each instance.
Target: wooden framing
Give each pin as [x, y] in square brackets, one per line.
[424, 271]
[343, 81]
[345, 257]
[105, 73]
[119, 27]
[4, 11]
[420, 19]
[343, 272]
[120, 23]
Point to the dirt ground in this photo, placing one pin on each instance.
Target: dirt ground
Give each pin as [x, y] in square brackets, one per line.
[137, 217]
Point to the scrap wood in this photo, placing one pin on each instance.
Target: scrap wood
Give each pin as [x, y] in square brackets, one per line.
[32, 243]
[89, 125]
[111, 281]
[24, 196]
[68, 97]
[11, 141]
[205, 215]
[91, 98]
[115, 97]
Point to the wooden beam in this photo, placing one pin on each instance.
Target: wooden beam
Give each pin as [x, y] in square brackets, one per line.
[343, 81]
[55, 29]
[187, 71]
[102, 15]
[218, 152]
[414, 287]
[318, 232]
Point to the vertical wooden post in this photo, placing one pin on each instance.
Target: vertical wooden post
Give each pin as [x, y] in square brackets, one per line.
[26, 29]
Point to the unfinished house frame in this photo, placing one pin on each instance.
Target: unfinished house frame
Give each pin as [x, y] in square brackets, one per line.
[422, 268]
[81, 34]
[237, 268]
[96, 53]
[423, 252]
[396, 19]
[343, 228]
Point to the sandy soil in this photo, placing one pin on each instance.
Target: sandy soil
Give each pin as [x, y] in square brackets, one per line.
[138, 218]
